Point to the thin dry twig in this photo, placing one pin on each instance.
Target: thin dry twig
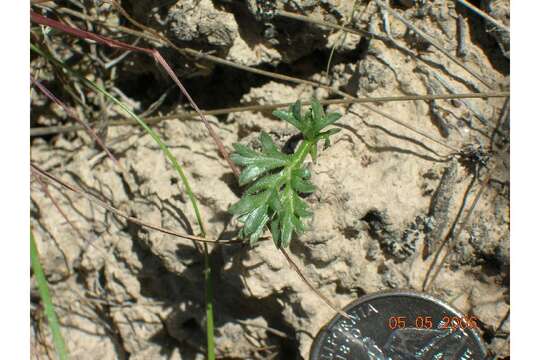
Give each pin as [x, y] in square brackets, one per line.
[503, 118]
[503, 320]
[311, 286]
[72, 114]
[267, 328]
[48, 176]
[450, 234]
[340, 41]
[49, 130]
[290, 15]
[452, 238]
[378, 37]
[56, 205]
[283, 77]
[156, 36]
[39, 19]
[198, 54]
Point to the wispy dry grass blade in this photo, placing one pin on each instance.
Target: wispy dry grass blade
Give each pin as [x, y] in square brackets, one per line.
[369, 34]
[74, 116]
[39, 19]
[49, 177]
[327, 301]
[49, 130]
[213, 134]
[55, 203]
[298, 17]
[237, 173]
[157, 57]
[155, 136]
[270, 74]
[340, 41]
[295, 80]
[151, 34]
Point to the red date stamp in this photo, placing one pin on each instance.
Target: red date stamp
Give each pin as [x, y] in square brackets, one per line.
[427, 322]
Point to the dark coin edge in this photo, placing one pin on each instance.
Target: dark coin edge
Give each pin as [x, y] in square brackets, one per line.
[315, 346]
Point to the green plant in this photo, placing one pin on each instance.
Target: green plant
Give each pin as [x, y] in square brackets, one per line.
[278, 179]
[46, 299]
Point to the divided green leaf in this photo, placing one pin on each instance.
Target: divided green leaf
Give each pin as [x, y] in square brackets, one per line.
[276, 179]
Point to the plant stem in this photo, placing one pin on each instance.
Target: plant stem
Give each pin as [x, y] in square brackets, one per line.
[301, 153]
[209, 297]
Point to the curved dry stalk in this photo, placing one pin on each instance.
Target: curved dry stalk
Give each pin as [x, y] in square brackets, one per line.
[450, 241]
[341, 40]
[502, 120]
[156, 37]
[501, 323]
[407, 126]
[311, 286]
[72, 114]
[49, 130]
[276, 76]
[483, 14]
[378, 37]
[504, 116]
[57, 206]
[42, 20]
[281, 77]
[197, 54]
[46, 175]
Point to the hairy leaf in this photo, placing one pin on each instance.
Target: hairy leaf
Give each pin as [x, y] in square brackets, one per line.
[274, 228]
[253, 171]
[303, 172]
[329, 119]
[267, 182]
[276, 179]
[286, 224]
[244, 151]
[300, 207]
[317, 110]
[248, 203]
[275, 203]
[301, 185]
[255, 219]
[296, 111]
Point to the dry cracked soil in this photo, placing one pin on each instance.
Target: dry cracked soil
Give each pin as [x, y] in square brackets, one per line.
[386, 197]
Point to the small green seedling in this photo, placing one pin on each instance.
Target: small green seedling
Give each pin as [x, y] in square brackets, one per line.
[278, 179]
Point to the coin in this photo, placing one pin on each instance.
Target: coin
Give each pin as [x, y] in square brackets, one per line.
[399, 325]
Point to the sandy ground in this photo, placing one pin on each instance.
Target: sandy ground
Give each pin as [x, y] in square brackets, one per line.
[386, 196]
